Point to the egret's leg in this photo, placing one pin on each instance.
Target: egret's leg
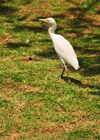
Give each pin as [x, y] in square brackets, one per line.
[62, 72]
[67, 73]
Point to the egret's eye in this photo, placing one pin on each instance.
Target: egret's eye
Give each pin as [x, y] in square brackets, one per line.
[47, 20]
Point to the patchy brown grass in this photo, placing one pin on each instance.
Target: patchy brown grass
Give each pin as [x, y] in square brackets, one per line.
[9, 87]
[5, 39]
[54, 128]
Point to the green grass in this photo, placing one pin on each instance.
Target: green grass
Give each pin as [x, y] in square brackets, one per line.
[34, 103]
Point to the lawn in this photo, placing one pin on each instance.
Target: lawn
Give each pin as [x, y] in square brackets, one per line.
[34, 103]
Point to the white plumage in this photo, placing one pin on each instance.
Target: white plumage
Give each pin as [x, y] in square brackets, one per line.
[62, 47]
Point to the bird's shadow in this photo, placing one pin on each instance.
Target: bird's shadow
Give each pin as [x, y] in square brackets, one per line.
[73, 81]
[83, 85]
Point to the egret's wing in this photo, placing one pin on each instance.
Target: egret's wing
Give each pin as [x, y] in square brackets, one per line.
[65, 50]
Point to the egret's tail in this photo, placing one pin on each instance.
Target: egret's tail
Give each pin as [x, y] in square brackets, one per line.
[77, 67]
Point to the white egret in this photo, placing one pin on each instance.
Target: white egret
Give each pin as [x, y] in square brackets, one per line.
[62, 47]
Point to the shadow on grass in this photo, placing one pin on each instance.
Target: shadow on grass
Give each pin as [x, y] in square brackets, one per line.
[96, 93]
[25, 2]
[3, 1]
[35, 29]
[48, 53]
[81, 20]
[17, 45]
[90, 65]
[7, 10]
[20, 28]
[79, 83]
[85, 6]
[73, 80]
[94, 70]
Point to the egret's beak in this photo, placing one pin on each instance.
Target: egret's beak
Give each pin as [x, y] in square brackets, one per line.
[43, 20]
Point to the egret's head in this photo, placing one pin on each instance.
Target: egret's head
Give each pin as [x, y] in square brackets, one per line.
[49, 20]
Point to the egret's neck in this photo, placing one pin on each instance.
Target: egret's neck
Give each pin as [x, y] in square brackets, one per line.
[51, 30]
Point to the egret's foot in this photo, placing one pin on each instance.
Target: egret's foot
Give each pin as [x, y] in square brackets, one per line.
[60, 77]
[69, 82]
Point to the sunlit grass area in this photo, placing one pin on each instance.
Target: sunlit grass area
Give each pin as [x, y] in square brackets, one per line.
[34, 103]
